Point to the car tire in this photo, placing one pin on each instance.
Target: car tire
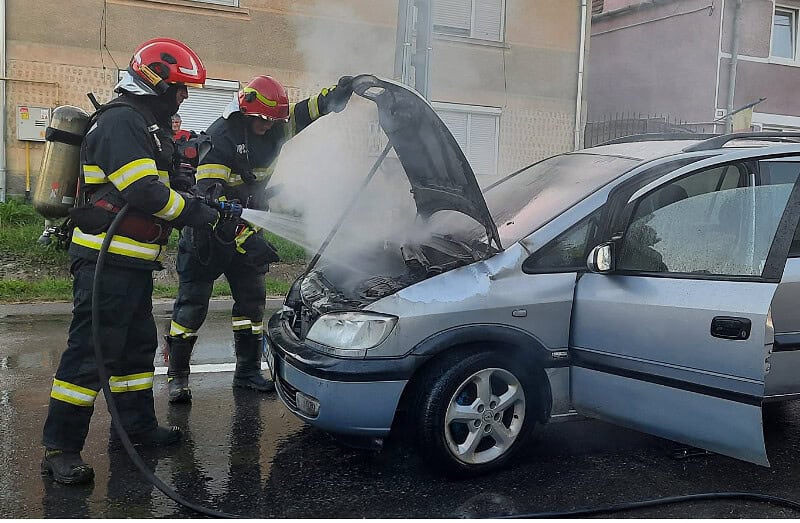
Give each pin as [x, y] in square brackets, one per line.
[475, 410]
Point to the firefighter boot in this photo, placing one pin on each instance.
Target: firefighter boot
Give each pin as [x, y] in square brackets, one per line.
[66, 467]
[248, 363]
[154, 438]
[180, 351]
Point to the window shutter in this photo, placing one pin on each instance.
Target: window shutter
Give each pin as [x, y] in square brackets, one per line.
[454, 15]
[456, 122]
[483, 143]
[203, 107]
[488, 20]
[476, 134]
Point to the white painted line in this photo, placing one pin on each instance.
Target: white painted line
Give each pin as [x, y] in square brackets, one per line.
[208, 367]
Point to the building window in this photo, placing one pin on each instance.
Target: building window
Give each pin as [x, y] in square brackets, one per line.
[232, 3]
[481, 19]
[205, 105]
[784, 33]
[778, 129]
[477, 131]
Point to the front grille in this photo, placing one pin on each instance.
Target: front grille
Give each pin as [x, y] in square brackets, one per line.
[288, 393]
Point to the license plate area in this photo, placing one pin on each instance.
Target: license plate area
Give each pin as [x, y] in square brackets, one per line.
[270, 359]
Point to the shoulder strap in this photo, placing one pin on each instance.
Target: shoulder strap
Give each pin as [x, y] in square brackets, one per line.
[138, 106]
[150, 121]
[127, 101]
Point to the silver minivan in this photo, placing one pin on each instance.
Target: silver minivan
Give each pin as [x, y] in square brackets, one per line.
[651, 282]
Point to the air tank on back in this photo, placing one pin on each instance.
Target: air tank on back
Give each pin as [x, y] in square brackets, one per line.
[58, 176]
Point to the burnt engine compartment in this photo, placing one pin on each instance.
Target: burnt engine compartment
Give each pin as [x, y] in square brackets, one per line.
[348, 282]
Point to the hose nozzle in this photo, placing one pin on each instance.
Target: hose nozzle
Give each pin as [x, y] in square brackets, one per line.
[227, 210]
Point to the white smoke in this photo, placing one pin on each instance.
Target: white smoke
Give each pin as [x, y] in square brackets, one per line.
[321, 169]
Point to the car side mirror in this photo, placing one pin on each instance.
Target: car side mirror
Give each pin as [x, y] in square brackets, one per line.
[601, 258]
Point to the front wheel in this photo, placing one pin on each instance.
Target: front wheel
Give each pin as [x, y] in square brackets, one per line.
[475, 410]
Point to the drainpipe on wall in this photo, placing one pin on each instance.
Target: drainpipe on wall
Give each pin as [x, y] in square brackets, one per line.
[3, 186]
[732, 70]
[581, 61]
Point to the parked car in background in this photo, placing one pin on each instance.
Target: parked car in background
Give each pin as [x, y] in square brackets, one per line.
[490, 322]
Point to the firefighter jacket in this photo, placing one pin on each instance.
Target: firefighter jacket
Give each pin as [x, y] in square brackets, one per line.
[126, 158]
[243, 162]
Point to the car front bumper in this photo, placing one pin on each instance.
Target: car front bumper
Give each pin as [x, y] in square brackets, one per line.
[353, 397]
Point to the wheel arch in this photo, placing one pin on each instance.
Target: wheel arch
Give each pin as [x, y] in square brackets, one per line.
[468, 339]
[507, 336]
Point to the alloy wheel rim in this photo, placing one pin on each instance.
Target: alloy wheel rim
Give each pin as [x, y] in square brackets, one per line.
[484, 416]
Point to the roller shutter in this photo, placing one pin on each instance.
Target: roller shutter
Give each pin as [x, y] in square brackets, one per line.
[477, 132]
[204, 106]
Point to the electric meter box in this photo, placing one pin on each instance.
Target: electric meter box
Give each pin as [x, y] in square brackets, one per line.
[32, 122]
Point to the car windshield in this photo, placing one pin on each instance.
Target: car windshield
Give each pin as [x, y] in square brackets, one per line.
[526, 200]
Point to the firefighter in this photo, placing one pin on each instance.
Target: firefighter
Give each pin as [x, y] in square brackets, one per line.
[246, 142]
[126, 157]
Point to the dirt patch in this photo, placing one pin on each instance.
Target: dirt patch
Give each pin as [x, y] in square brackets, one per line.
[14, 268]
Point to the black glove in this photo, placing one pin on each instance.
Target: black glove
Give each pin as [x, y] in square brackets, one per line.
[197, 214]
[337, 98]
[182, 179]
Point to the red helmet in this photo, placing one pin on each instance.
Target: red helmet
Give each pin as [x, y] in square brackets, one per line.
[163, 61]
[266, 98]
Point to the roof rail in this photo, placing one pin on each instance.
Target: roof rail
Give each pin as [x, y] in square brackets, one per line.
[720, 140]
[662, 137]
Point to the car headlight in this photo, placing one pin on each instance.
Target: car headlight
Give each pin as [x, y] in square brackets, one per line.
[351, 333]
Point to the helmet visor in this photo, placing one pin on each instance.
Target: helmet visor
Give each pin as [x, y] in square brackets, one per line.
[267, 118]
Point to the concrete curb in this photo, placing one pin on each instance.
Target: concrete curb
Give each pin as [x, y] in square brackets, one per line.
[160, 307]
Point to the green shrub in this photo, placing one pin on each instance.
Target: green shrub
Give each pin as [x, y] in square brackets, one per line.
[16, 212]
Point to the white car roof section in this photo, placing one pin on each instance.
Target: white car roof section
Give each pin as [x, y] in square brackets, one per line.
[644, 151]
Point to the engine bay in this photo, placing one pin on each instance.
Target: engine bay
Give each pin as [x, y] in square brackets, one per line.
[351, 283]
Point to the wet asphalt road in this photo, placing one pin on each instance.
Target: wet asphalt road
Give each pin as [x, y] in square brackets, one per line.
[246, 454]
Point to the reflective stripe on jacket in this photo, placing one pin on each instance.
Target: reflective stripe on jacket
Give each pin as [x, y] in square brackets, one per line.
[124, 159]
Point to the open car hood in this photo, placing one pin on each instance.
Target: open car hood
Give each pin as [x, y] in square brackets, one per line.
[439, 173]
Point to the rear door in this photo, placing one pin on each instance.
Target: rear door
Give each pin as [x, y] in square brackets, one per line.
[783, 379]
[676, 340]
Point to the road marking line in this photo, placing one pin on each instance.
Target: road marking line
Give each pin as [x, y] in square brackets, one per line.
[208, 367]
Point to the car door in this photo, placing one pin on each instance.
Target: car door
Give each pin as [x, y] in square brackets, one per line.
[783, 380]
[675, 340]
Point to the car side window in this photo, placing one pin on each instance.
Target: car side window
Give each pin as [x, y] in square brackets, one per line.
[712, 222]
[794, 250]
[778, 172]
[567, 252]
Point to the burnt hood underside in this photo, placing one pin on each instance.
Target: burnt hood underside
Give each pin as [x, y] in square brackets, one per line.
[439, 173]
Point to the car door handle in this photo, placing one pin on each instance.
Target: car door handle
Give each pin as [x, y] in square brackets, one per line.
[730, 328]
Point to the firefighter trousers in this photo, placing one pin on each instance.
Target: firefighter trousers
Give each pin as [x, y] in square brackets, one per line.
[199, 264]
[129, 342]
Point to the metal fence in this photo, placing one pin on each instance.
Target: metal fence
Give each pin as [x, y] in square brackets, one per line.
[626, 124]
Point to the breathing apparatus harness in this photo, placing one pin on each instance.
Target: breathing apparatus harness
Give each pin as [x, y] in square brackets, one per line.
[230, 233]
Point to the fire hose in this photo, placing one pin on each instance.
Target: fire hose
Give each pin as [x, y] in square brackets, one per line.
[234, 210]
[227, 208]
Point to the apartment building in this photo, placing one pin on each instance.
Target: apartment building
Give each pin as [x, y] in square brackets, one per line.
[696, 60]
[504, 74]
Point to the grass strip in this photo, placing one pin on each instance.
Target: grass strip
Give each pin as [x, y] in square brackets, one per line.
[60, 289]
